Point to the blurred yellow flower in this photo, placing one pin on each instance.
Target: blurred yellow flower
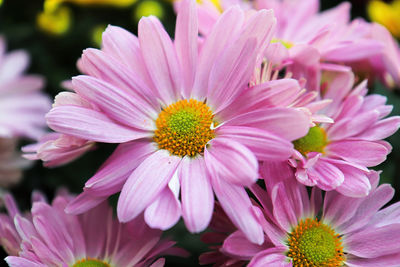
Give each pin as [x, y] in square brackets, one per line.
[97, 34]
[147, 8]
[56, 17]
[56, 22]
[386, 14]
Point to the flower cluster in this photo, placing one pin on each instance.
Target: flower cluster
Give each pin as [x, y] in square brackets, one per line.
[254, 120]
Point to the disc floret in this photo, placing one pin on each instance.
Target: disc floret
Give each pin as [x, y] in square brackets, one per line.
[313, 243]
[89, 262]
[184, 128]
[315, 141]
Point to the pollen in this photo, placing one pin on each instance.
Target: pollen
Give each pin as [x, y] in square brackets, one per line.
[184, 128]
[89, 262]
[313, 244]
[315, 141]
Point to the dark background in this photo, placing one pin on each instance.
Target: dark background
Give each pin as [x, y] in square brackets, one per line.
[55, 58]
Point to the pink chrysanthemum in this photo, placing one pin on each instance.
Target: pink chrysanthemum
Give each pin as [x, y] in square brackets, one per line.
[173, 111]
[350, 232]
[336, 156]
[305, 38]
[48, 237]
[22, 104]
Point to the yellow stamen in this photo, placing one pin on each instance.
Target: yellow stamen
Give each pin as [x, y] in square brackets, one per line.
[184, 128]
[313, 243]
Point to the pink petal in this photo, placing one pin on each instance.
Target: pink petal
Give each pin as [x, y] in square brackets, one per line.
[160, 58]
[237, 244]
[186, 37]
[118, 105]
[288, 123]
[265, 146]
[271, 257]
[375, 242]
[164, 212]
[231, 161]
[124, 46]
[365, 153]
[145, 183]
[113, 173]
[227, 27]
[381, 129]
[236, 204]
[104, 67]
[90, 125]
[370, 205]
[352, 126]
[197, 194]
[21, 262]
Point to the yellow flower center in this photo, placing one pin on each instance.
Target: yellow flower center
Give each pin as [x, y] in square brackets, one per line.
[286, 44]
[313, 243]
[184, 128]
[314, 141]
[89, 262]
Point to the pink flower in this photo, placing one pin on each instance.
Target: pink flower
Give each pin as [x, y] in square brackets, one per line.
[22, 104]
[350, 232]
[49, 237]
[11, 163]
[172, 110]
[56, 149]
[306, 37]
[336, 156]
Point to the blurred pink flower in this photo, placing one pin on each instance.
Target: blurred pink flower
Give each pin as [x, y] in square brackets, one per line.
[173, 110]
[11, 162]
[22, 104]
[350, 232]
[48, 237]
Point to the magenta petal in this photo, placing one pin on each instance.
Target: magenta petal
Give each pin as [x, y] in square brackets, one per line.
[91, 125]
[237, 244]
[355, 184]
[288, 123]
[391, 260]
[197, 194]
[186, 38]
[145, 183]
[227, 26]
[369, 206]
[124, 46]
[231, 161]
[164, 212]
[265, 146]
[236, 204]
[375, 242]
[115, 103]
[361, 152]
[84, 202]
[160, 58]
[13, 261]
[113, 173]
[284, 209]
[270, 257]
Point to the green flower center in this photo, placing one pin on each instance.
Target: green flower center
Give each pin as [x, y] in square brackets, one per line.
[184, 128]
[90, 263]
[314, 141]
[313, 243]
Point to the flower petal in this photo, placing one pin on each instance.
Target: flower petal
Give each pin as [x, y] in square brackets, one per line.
[231, 161]
[145, 183]
[90, 125]
[197, 194]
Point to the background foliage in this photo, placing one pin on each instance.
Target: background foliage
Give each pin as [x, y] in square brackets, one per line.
[55, 58]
